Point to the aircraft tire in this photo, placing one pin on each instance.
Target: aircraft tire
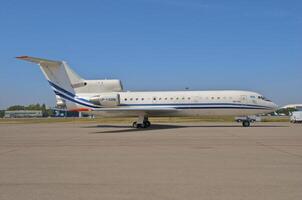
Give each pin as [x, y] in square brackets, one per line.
[147, 124]
[246, 123]
[135, 125]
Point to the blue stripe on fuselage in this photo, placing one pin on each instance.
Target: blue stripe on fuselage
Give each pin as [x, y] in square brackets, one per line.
[73, 100]
[221, 107]
[199, 104]
[67, 93]
[61, 89]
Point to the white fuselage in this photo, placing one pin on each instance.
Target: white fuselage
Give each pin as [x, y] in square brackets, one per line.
[187, 103]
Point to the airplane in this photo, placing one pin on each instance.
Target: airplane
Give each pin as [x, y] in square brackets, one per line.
[107, 98]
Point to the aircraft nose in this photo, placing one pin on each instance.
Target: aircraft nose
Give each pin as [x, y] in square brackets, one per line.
[274, 106]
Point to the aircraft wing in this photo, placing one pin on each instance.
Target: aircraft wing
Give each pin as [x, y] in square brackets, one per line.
[135, 110]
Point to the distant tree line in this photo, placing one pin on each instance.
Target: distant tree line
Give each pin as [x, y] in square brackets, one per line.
[45, 111]
[2, 113]
[286, 111]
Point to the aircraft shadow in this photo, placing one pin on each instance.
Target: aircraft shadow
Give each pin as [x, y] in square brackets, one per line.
[130, 129]
[124, 129]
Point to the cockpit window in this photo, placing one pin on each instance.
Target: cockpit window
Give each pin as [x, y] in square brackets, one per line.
[263, 98]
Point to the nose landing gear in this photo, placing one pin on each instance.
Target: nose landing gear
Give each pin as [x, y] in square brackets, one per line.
[246, 120]
[246, 123]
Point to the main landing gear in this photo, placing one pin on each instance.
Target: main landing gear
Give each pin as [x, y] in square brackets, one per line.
[246, 120]
[246, 123]
[142, 122]
[145, 124]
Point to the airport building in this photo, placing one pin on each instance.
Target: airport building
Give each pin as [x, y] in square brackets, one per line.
[23, 114]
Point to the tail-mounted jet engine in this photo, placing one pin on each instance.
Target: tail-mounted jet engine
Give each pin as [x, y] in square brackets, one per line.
[98, 86]
[106, 100]
[60, 103]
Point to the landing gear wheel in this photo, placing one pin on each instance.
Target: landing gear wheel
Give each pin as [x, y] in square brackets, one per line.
[143, 125]
[147, 124]
[246, 123]
[135, 125]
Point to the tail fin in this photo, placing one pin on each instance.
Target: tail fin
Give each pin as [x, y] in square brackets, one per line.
[58, 74]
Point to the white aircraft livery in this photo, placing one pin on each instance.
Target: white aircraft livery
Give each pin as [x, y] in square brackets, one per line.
[107, 98]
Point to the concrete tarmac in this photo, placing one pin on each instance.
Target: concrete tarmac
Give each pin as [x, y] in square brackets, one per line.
[179, 161]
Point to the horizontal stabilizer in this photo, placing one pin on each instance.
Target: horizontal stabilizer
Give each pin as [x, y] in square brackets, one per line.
[39, 60]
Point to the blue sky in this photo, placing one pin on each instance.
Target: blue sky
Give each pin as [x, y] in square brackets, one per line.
[155, 45]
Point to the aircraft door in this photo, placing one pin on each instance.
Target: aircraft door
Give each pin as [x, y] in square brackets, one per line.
[243, 99]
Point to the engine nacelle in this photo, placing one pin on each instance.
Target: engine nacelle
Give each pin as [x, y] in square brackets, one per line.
[61, 103]
[106, 100]
[98, 86]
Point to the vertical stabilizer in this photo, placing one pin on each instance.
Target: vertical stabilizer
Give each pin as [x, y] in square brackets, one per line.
[58, 74]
